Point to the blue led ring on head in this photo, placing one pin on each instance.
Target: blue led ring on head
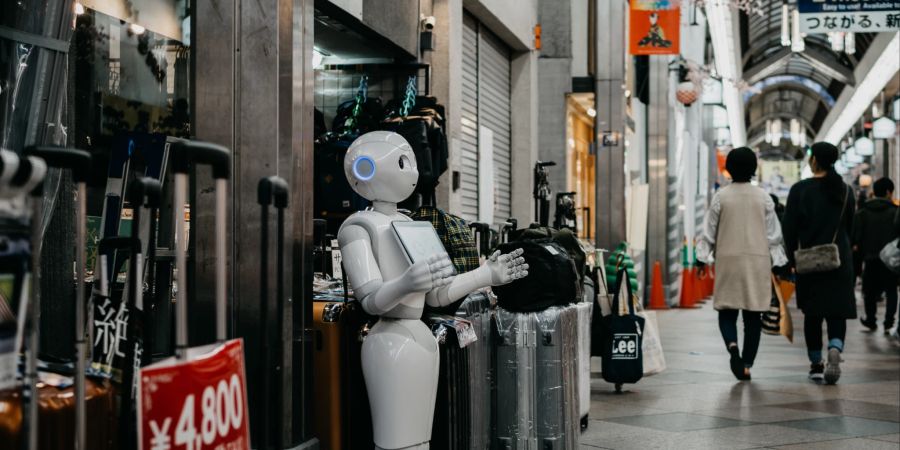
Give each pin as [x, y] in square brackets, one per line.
[364, 172]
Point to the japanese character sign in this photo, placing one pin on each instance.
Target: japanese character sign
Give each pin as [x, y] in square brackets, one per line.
[827, 16]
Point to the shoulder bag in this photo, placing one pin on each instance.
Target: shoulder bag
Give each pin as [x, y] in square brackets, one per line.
[824, 257]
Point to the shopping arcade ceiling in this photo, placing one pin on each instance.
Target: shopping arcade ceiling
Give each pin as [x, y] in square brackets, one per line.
[786, 84]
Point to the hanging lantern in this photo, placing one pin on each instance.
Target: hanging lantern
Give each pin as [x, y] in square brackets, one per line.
[840, 168]
[797, 43]
[883, 128]
[769, 137]
[785, 25]
[836, 38]
[795, 132]
[864, 146]
[853, 157]
[686, 93]
[896, 113]
[849, 43]
[776, 132]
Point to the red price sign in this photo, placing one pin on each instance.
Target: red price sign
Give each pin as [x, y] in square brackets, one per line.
[195, 404]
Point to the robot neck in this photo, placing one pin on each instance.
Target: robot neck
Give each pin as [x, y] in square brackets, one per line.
[386, 208]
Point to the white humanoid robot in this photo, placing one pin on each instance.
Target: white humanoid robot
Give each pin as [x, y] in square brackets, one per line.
[395, 267]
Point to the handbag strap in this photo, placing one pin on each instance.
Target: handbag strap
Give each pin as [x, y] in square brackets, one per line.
[841, 218]
[620, 275]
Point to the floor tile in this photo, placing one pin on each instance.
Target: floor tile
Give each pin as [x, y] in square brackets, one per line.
[853, 408]
[762, 414]
[843, 444]
[848, 426]
[678, 422]
[887, 437]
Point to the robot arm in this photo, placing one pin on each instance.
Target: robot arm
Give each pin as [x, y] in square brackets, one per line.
[376, 295]
[496, 271]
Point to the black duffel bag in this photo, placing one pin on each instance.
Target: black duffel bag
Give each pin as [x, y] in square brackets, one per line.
[551, 281]
[623, 360]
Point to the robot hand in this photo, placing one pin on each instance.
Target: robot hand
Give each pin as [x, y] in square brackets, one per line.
[435, 272]
[507, 268]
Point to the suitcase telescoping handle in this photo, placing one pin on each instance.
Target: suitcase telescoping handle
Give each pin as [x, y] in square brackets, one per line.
[271, 190]
[145, 192]
[186, 154]
[79, 161]
[19, 177]
[481, 232]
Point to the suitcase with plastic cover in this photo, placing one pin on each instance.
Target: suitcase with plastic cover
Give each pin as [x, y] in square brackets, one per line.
[477, 310]
[514, 394]
[585, 312]
[556, 417]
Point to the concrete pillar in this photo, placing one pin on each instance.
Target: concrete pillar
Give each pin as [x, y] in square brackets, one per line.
[525, 120]
[610, 105]
[255, 97]
[657, 160]
[446, 84]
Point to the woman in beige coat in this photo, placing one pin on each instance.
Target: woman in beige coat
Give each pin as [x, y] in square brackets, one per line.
[742, 235]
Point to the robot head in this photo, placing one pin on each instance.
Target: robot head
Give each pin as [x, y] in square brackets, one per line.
[381, 166]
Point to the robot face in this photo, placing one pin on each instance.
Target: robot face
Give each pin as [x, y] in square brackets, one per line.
[381, 166]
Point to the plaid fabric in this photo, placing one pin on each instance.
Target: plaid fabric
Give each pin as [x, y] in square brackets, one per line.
[455, 235]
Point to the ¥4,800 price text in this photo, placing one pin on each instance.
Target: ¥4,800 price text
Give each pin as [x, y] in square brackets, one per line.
[221, 411]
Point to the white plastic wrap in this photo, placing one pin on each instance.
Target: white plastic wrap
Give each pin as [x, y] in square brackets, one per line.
[514, 416]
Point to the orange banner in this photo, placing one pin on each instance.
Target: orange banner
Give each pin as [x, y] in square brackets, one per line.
[654, 32]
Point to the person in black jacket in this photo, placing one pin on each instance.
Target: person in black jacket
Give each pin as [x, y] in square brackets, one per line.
[873, 228]
[820, 211]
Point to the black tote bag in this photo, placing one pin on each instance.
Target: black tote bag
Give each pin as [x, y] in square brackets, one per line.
[623, 361]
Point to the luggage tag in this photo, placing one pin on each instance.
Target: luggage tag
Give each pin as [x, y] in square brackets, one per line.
[336, 260]
[465, 332]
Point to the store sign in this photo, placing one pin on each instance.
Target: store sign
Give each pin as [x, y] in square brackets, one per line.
[199, 403]
[827, 16]
[654, 27]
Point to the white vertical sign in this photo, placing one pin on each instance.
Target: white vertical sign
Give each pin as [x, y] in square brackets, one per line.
[485, 175]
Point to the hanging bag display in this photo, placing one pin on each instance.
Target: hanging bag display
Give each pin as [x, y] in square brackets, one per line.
[622, 353]
[823, 257]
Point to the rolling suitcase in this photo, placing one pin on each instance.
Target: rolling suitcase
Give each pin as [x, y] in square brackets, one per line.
[585, 313]
[556, 396]
[514, 363]
[452, 422]
[476, 308]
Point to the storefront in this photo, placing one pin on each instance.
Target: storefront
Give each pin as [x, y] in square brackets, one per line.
[580, 164]
[485, 144]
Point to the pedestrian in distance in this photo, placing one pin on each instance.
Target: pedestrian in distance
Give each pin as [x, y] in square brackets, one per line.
[819, 212]
[873, 228]
[742, 235]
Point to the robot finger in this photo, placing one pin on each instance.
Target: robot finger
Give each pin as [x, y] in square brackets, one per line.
[517, 252]
[494, 255]
[518, 261]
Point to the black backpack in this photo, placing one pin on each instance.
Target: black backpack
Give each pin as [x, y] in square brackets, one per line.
[552, 279]
[565, 238]
[623, 359]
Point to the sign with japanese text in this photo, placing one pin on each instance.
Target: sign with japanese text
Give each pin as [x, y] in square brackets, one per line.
[195, 404]
[654, 27]
[828, 16]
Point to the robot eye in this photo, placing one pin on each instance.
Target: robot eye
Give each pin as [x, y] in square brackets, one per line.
[364, 168]
[404, 162]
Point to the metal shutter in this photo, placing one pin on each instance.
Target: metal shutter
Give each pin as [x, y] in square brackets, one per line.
[485, 102]
[494, 113]
[468, 190]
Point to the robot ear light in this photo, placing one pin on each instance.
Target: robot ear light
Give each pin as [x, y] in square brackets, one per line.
[364, 168]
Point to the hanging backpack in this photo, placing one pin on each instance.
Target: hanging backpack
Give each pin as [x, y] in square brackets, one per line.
[623, 360]
[552, 279]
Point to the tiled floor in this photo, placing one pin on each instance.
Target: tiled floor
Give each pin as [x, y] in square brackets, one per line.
[697, 404]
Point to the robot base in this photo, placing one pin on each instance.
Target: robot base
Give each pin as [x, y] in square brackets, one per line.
[400, 365]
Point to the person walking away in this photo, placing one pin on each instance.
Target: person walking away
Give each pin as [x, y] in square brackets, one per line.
[873, 228]
[820, 211]
[779, 208]
[742, 235]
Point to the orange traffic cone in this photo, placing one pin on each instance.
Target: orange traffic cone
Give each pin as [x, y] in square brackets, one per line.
[657, 296]
[698, 287]
[687, 289]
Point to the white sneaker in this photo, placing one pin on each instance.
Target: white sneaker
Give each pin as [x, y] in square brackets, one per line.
[833, 366]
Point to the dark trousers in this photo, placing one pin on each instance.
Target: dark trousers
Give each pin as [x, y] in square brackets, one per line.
[812, 329]
[878, 279]
[752, 330]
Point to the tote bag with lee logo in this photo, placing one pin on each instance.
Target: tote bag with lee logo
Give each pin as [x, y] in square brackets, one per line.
[622, 355]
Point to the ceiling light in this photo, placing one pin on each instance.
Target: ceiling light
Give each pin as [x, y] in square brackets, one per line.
[884, 128]
[769, 137]
[79, 9]
[864, 146]
[852, 156]
[797, 43]
[896, 113]
[785, 25]
[137, 29]
[795, 132]
[884, 68]
[592, 112]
